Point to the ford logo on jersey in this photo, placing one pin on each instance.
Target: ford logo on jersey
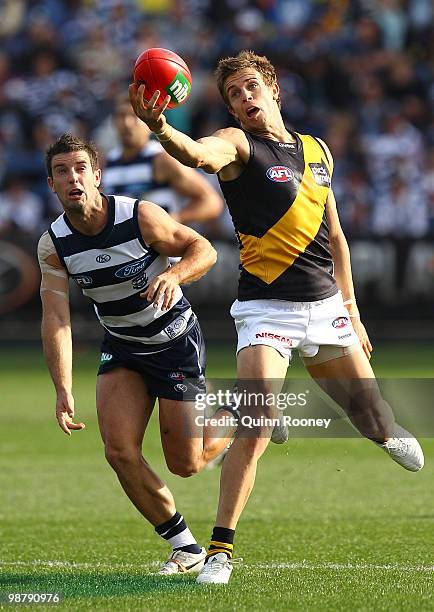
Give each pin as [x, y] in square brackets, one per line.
[280, 174]
[133, 268]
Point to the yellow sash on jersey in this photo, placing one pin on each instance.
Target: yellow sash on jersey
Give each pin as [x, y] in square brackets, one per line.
[267, 257]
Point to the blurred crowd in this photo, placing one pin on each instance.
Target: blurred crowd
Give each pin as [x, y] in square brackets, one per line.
[357, 73]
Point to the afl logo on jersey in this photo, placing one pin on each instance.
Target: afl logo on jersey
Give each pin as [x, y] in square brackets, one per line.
[280, 174]
[340, 322]
[83, 281]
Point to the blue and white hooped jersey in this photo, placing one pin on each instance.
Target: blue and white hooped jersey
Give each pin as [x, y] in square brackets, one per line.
[113, 268]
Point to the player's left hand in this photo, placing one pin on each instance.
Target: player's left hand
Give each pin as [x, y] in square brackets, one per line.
[65, 412]
[361, 332]
[162, 291]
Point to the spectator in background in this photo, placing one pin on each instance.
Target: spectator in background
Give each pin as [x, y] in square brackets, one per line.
[357, 205]
[428, 186]
[371, 97]
[391, 17]
[21, 210]
[11, 17]
[398, 150]
[401, 212]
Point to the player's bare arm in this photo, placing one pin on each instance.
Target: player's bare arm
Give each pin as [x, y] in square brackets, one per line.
[212, 154]
[203, 202]
[342, 271]
[56, 331]
[167, 236]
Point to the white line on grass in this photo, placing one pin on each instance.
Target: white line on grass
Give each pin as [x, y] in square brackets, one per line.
[285, 565]
[345, 566]
[73, 565]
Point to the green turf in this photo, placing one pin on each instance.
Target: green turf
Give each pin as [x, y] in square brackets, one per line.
[331, 524]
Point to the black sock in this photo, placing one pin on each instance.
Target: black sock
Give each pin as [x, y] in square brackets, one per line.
[177, 533]
[191, 548]
[222, 540]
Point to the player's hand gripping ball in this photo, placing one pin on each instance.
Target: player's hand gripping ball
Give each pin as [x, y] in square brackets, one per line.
[163, 70]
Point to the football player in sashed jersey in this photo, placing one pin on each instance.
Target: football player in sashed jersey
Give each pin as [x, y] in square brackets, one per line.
[295, 289]
[116, 249]
[140, 168]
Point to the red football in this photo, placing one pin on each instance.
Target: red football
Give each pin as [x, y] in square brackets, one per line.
[163, 70]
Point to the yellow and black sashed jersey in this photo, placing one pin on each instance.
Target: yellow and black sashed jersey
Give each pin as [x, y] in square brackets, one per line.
[277, 206]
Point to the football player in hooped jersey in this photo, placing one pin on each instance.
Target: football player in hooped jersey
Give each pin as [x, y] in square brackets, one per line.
[117, 249]
[295, 289]
[141, 169]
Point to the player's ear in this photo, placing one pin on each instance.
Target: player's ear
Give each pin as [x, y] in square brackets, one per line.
[97, 177]
[51, 184]
[276, 91]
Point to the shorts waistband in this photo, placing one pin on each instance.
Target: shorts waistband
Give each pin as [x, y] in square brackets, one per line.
[160, 341]
[286, 305]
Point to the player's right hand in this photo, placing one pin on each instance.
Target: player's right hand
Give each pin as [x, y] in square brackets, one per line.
[361, 332]
[147, 111]
[65, 413]
[162, 290]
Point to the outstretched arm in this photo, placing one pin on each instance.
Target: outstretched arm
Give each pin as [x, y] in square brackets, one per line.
[56, 332]
[342, 270]
[167, 236]
[211, 154]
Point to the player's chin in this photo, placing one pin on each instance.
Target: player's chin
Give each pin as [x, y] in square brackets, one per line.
[76, 201]
[255, 123]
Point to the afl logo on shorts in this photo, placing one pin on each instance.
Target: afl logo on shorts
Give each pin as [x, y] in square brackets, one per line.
[340, 322]
[177, 375]
[280, 174]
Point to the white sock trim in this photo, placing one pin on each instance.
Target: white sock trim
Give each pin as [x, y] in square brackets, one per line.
[185, 538]
[181, 518]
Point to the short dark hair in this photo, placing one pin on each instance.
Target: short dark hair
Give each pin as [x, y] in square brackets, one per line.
[67, 143]
[244, 59]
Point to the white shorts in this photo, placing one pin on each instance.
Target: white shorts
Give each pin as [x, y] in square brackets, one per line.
[305, 326]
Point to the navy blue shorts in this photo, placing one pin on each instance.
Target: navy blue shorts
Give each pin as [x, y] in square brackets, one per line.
[174, 372]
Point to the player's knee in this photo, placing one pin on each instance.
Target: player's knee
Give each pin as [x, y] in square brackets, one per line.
[185, 469]
[119, 457]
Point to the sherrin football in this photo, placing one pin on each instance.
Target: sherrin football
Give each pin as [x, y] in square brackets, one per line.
[163, 70]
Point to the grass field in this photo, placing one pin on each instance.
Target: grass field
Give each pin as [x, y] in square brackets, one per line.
[331, 524]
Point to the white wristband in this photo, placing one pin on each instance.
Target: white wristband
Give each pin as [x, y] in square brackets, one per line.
[161, 134]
